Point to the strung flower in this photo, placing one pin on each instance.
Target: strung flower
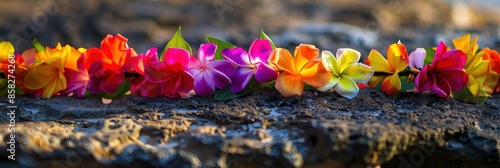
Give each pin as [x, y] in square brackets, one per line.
[108, 64]
[208, 73]
[303, 67]
[46, 76]
[444, 74]
[345, 72]
[397, 61]
[417, 59]
[167, 77]
[477, 68]
[78, 80]
[250, 64]
[492, 83]
[6, 49]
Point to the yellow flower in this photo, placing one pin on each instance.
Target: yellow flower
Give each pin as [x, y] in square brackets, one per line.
[46, 75]
[477, 68]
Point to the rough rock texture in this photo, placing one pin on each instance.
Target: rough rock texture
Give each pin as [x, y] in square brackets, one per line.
[260, 130]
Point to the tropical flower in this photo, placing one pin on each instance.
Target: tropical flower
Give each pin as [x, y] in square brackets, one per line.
[208, 73]
[444, 74]
[303, 67]
[250, 64]
[78, 80]
[108, 64]
[388, 69]
[168, 77]
[477, 68]
[492, 83]
[6, 49]
[417, 58]
[345, 72]
[46, 76]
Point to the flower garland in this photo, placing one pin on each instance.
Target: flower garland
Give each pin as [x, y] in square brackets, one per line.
[464, 73]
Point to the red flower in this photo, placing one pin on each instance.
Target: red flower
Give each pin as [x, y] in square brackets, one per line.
[444, 74]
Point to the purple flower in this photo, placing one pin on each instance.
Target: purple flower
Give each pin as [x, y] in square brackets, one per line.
[417, 58]
[208, 73]
[248, 65]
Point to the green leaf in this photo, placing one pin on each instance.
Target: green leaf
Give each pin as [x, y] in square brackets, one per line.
[177, 41]
[220, 46]
[265, 37]
[465, 95]
[38, 46]
[429, 55]
[226, 94]
[272, 83]
[405, 86]
[122, 89]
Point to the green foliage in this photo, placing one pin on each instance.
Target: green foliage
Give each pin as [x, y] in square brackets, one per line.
[226, 94]
[177, 41]
[405, 86]
[429, 55]
[465, 95]
[220, 46]
[38, 46]
[265, 37]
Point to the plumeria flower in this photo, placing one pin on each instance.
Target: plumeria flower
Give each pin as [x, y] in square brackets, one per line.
[6, 49]
[492, 83]
[46, 76]
[444, 74]
[345, 72]
[303, 67]
[208, 73]
[78, 80]
[477, 68]
[397, 61]
[167, 77]
[250, 64]
[417, 59]
[109, 63]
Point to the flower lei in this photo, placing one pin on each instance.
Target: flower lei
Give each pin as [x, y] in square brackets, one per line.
[464, 73]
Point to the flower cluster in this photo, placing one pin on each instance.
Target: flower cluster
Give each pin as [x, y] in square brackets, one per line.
[464, 73]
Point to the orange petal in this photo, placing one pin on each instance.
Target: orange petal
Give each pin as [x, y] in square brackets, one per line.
[320, 78]
[303, 54]
[397, 56]
[391, 84]
[289, 84]
[282, 59]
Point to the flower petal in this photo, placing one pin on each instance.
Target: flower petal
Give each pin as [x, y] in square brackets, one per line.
[203, 84]
[397, 56]
[223, 66]
[320, 78]
[346, 87]
[206, 53]
[347, 57]
[176, 58]
[457, 79]
[391, 84]
[289, 84]
[259, 51]
[240, 79]
[424, 81]
[378, 62]
[441, 88]
[303, 54]
[359, 72]
[451, 60]
[282, 59]
[265, 73]
[331, 62]
[417, 58]
[237, 56]
[111, 83]
[330, 84]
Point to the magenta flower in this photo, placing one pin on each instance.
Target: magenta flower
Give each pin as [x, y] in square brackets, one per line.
[208, 73]
[417, 58]
[250, 64]
[444, 74]
[78, 81]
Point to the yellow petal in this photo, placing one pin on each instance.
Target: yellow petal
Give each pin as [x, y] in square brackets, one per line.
[331, 62]
[391, 84]
[481, 68]
[289, 84]
[6, 48]
[462, 43]
[375, 80]
[378, 62]
[35, 80]
[347, 87]
[473, 86]
[320, 78]
[397, 56]
[360, 73]
[347, 57]
[331, 83]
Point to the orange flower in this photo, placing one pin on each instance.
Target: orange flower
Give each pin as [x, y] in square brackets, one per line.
[492, 83]
[46, 76]
[397, 60]
[303, 67]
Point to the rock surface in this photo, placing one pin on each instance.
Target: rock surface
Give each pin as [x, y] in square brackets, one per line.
[260, 130]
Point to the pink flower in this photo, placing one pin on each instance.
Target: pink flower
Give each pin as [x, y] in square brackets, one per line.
[445, 74]
[250, 64]
[208, 73]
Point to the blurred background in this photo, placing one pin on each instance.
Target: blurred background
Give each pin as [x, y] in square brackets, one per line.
[328, 24]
